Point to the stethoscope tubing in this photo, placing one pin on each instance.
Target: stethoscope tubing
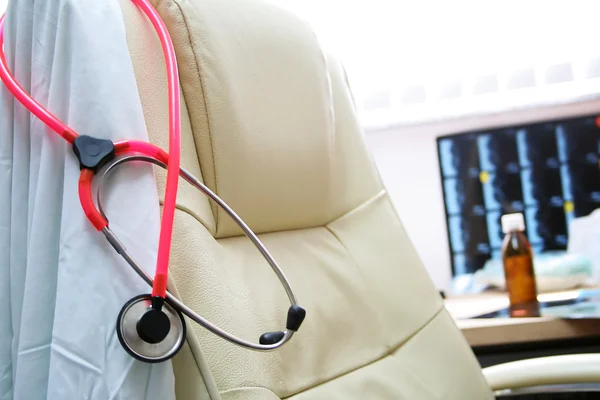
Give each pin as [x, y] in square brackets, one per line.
[159, 287]
[191, 179]
[148, 152]
[174, 157]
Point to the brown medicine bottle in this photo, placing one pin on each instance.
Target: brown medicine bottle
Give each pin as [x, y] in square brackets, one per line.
[517, 259]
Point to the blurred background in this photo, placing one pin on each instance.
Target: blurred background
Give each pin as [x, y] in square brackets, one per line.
[412, 62]
[473, 109]
[467, 106]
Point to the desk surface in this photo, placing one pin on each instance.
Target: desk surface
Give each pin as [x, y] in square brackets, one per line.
[506, 331]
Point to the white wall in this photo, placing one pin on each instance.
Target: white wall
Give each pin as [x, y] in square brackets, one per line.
[408, 163]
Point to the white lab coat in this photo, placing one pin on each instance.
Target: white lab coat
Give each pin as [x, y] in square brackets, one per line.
[61, 284]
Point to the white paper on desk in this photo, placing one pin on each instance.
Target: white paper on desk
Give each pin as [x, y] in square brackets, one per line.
[62, 284]
[584, 238]
[554, 270]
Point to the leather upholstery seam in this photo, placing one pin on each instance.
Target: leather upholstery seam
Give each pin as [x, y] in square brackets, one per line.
[389, 353]
[212, 391]
[193, 348]
[248, 387]
[189, 212]
[361, 273]
[364, 204]
[337, 238]
[214, 208]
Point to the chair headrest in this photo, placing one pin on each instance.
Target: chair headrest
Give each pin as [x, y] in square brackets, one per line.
[272, 118]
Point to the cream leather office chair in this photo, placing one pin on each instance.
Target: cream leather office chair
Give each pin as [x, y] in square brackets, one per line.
[270, 126]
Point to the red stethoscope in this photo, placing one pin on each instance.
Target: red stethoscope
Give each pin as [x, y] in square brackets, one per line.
[151, 327]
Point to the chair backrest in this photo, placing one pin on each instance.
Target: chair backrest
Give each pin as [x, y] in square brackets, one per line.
[269, 124]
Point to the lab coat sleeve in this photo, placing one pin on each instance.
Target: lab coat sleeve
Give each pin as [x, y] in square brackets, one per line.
[61, 283]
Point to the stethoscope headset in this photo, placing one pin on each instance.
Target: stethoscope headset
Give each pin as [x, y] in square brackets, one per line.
[151, 327]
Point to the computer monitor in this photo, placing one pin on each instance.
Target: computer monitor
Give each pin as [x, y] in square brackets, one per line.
[549, 171]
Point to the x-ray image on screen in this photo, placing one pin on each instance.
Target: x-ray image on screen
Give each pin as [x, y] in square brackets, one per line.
[537, 147]
[498, 152]
[503, 192]
[542, 186]
[547, 227]
[582, 186]
[577, 140]
[548, 171]
[469, 234]
[466, 196]
[460, 158]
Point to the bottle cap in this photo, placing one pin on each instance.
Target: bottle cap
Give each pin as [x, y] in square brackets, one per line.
[513, 222]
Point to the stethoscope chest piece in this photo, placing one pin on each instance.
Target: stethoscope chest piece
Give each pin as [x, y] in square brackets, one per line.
[150, 329]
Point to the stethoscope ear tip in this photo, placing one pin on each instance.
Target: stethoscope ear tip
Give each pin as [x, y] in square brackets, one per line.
[295, 317]
[270, 338]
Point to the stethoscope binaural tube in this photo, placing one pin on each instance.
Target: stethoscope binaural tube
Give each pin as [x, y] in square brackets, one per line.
[296, 313]
[81, 142]
[150, 321]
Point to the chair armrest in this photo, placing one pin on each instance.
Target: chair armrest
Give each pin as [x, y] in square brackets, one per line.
[553, 370]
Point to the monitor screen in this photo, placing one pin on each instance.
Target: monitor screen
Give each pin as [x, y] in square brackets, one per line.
[548, 171]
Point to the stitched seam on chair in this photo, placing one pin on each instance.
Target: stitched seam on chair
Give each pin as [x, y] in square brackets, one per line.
[361, 205]
[248, 388]
[385, 355]
[214, 208]
[189, 212]
[196, 351]
[186, 210]
[199, 367]
[364, 204]
[206, 384]
[361, 273]
[337, 238]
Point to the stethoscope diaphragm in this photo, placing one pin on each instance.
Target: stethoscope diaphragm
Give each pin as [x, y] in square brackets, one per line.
[145, 345]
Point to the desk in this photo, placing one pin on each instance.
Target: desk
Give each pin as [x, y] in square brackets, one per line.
[503, 339]
[497, 331]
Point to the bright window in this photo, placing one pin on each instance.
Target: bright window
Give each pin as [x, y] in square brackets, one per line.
[412, 61]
